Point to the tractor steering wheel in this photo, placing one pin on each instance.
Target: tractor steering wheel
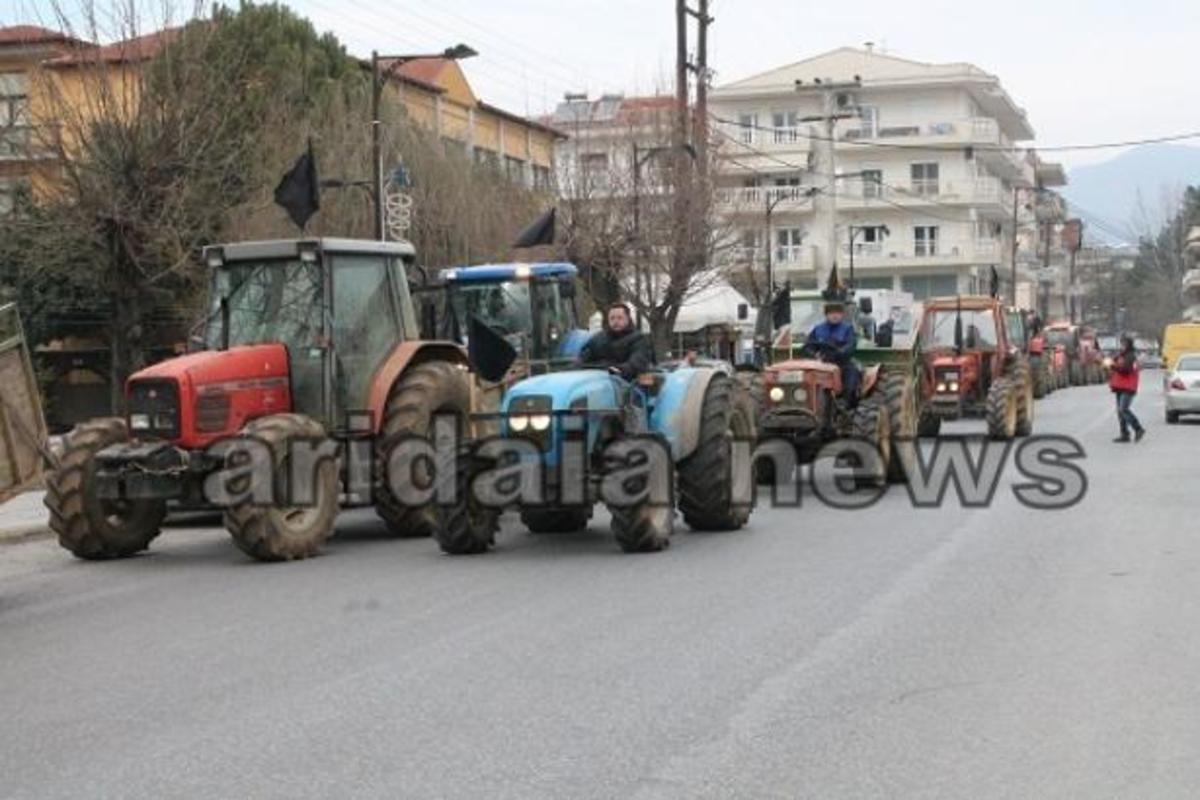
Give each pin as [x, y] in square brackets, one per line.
[822, 350]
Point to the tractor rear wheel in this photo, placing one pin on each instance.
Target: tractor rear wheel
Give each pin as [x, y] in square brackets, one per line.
[555, 520]
[706, 479]
[283, 532]
[900, 394]
[1075, 374]
[1023, 388]
[1002, 410]
[92, 528]
[871, 423]
[423, 392]
[1037, 369]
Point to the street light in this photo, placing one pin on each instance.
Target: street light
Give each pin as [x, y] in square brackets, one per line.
[854, 231]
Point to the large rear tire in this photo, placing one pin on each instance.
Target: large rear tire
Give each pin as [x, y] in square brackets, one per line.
[1023, 387]
[706, 479]
[283, 532]
[1002, 410]
[420, 394]
[900, 394]
[89, 527]
[1037, 369]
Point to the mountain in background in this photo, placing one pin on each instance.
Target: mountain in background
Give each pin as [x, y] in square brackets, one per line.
[1106, 195]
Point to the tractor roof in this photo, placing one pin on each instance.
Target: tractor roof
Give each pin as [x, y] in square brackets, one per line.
[972, 302]
[291, 248]
[505, 272]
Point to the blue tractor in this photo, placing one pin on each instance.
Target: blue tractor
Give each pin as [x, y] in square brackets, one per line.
[693, 415]
[531, 305]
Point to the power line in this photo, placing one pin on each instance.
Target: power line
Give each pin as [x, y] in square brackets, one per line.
[1178, 137]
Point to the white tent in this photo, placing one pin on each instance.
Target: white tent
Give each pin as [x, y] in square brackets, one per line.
[716, 304]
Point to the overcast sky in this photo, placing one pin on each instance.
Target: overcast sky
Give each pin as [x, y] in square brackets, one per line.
[1085, 70]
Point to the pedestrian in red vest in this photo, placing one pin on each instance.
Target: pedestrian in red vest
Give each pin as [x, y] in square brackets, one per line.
[1124, 384]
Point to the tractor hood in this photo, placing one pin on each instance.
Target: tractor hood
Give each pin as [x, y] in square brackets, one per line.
[208, 395]
[564, 388]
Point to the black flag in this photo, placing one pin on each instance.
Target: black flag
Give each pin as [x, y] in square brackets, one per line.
[781, 307]
[539, 233]
[490, 353]
[834, 289]
[995, 283]
[298, 192]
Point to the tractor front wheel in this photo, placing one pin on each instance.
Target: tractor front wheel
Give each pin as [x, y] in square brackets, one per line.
[1037, 369]
[706, 479]
[286, 530]
[900, 393]
[1002, 410]
[929, 426]
[643, 528]
[92, 528]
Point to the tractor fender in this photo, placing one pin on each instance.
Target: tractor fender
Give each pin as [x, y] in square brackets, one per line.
[678, 409]
[403, 356]
[870, 378]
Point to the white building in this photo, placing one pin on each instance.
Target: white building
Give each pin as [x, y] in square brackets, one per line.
[930, 161]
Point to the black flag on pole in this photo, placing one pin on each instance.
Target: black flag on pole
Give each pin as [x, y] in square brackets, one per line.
[994, 286]
[781, 306]
[298, 191]
[541, 232]
[489, 352]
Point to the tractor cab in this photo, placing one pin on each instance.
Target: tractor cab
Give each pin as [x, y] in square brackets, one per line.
[531, 305]
[337, 306]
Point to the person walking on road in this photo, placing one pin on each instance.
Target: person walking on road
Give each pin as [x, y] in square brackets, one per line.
[1124, 384]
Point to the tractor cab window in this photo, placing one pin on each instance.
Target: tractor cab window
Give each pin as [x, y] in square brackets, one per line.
[1061, 336]
[978, 329]
[503, 306]
[1016, 330]
[364, 325]
[275, 301]
[554, 315]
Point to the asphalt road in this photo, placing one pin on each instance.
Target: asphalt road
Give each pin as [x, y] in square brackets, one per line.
[890, 652]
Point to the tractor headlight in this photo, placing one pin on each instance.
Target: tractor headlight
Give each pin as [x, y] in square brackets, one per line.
[518, 423]
[1108, 362]
[954, 386]
[539, 422]
[800, 395]
[776, 394]
[139, 422]
[941, 388]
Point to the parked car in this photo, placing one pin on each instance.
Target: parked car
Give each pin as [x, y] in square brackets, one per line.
[1149, 356]
[1183, 388]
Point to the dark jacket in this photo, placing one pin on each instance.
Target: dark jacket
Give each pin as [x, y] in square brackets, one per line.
[840, 336]
[631, 352]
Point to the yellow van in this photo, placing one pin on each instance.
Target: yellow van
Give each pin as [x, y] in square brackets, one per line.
[1179, 338]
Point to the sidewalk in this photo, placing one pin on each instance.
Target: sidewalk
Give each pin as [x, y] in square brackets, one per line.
[22, 517]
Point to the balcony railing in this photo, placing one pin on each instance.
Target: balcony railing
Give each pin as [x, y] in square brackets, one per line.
[761, 195]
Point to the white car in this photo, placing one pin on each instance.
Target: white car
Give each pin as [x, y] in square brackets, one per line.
[1183, 387]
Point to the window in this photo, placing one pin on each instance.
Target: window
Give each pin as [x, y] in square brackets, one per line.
[364, 324]
[978, 329]
[488, 159]
[13, 193]
[747, 128]
[514, 169]
[925, 240]
[925, 179]
[872, 182]
[541, 177]
[787, 244]
[925, 286]
[14, 115]
[784, 124]
[595, 169]
[870, 121]
[749, 241]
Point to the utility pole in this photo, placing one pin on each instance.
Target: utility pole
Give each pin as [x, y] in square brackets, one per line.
[700, 124]
[681, 73]
[1013, 288]
[835, 105]
[377, 143]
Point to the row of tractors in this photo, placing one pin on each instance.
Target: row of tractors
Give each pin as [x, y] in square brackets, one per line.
[318, 347]
[329, 347]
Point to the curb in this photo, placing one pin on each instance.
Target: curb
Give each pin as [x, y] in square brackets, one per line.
[24, 533]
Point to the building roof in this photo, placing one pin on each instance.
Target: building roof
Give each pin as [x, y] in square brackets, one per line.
[610, 109]
[517, 118]
[32, 34]
[885, 71]
[138, 48]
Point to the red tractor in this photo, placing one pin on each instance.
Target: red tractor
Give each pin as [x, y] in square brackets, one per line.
[1025, 328]
[311, 340]
[1084, 360]
[972, 368]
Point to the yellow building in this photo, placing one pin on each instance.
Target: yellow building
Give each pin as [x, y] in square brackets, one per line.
[436, 94]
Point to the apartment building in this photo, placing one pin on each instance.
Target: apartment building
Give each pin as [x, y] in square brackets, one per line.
[437, 95]
[928, 173]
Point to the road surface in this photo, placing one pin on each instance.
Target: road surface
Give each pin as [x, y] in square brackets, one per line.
[891, 652]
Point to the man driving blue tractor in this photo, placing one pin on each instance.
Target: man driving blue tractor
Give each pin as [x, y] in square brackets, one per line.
[620, 348]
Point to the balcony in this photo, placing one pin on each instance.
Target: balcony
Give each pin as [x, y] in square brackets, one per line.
[901, 252]
[995, 149]
[756, 198]
[985, 192]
